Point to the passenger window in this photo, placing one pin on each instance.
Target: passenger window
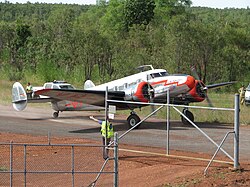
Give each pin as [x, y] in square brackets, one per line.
[121, 88]
[48, 86]
[132, 84]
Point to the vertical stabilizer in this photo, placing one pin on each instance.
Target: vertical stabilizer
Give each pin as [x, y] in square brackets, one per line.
[88, 84]
[19, 97]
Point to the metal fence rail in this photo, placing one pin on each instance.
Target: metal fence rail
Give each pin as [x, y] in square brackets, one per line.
[168, 105]
[56, 165]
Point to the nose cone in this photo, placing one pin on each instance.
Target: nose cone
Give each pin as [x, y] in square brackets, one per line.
[190, 81]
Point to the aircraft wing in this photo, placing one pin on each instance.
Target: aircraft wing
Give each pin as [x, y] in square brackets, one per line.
[92, 97]
[219, 84]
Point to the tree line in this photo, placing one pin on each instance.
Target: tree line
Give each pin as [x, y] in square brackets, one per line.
[108, 41]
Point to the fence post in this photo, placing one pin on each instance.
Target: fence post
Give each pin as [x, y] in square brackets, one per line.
[106, 120]
[116, 159]
[11, 162]
[168, 110]
[236, 130]
[73, 165]
[49, 137]
[25, 164]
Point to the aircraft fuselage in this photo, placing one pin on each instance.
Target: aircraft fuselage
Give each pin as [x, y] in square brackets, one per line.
[159, 79]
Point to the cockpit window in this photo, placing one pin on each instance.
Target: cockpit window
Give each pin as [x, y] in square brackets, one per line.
[159, 74]
[67, 87]
[48, 86]
[163, 74]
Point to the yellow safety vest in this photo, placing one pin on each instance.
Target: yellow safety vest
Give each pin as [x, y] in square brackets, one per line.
[29, 89]
[110, 129]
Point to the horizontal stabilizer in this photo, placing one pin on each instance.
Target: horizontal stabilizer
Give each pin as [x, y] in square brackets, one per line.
[40, 100]
[19, 97]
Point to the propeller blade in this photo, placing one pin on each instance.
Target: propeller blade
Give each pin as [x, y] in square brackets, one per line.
[204, 88]
[209, 101]
[152, 108]
[194, 72]
[151, 97]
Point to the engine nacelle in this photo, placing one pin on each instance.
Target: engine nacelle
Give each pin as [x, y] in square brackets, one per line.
[197, 93]
[142, 92]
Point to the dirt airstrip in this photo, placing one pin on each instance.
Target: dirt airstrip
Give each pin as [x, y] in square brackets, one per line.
[136, 169]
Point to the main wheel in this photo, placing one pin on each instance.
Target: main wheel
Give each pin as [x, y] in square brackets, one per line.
[189, 115]
[133, 119]
[55, 114]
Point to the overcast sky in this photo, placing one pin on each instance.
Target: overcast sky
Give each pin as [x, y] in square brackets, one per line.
[204, 3]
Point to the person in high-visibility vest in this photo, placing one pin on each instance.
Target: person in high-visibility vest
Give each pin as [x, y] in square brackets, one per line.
[29, 90]
[242, 94]
[110, 133]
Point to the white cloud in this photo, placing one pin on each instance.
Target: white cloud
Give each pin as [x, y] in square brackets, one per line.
[222, 3]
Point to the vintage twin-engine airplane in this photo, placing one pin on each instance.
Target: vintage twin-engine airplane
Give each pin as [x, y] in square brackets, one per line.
[147, 86]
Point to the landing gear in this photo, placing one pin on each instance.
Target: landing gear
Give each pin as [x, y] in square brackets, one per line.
[56, 114]
[133, 119]
[189, 115]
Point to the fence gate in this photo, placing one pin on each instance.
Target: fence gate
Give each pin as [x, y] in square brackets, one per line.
[236, 110]
[57, 165]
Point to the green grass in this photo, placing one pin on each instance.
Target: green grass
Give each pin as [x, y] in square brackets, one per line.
[222, 100]
[5, 92]
[204, 115]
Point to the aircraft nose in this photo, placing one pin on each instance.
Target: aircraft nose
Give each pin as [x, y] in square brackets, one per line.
[190, 81]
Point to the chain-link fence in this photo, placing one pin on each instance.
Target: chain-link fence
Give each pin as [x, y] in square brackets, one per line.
[57, 165]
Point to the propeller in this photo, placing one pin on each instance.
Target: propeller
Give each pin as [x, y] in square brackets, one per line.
[151, 96]
[201, 89]
[148, 92]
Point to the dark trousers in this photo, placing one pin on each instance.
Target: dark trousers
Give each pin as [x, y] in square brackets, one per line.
[29, 95]
[104, 150]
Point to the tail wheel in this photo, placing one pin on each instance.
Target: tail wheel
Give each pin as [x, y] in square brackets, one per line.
[55, 114]
[133, 119]
[189, 115]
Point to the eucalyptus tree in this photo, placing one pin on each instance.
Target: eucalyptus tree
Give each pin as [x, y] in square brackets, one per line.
[112, 23]
[7, 47]
[171, 19]
[138, 12]
[92, 49]
[235, 53]
[14, 37]
[20, 45]
[228, 34]
[59, 25]
[113, 28]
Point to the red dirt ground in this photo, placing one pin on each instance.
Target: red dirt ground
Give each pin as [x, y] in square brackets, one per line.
[136, 169]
